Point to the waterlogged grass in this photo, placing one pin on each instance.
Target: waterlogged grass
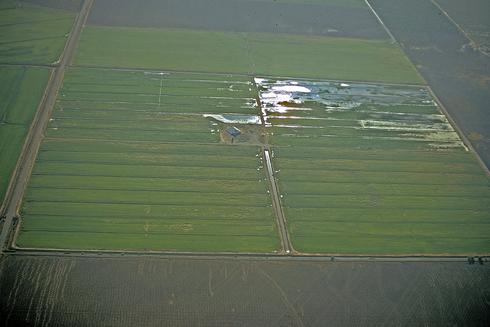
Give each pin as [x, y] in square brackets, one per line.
[401, 184]
[245, 53]
[130, 163]
[21, 90]
[32, 34]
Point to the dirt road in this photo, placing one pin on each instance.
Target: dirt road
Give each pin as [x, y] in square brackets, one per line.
[21, 175]
[286, 245]
[442, 53]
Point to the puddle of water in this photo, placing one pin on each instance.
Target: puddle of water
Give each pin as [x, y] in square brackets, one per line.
[235, 119]
[336, 93]
[369, 107]
[250, 128]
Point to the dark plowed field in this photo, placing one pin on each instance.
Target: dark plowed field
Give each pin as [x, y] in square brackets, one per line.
[459, 75]
[472, 16]
[241, 16]
[45, 291]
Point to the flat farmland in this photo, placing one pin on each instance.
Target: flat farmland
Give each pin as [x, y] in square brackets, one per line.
[344, 3]
[138, 154]
[305, 39]
[457, 73]
[320, 17]
[32, 34]
[245, 53]
[328, 160]
[21, 90]
[175, 291]
[70, 5]
[133, 161]
[472, 17]
[373, 169]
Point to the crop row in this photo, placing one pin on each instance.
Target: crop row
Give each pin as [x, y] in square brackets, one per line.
[130, 162]
[363, 175]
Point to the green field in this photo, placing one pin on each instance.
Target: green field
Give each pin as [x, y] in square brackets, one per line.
[32, 34]
[245, 53]
[370, 169]
[130, 162]
[21, 90]
[133, 161]
[141, 160]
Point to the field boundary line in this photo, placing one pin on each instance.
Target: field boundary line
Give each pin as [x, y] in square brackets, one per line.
[14, 175]
[282, 228]
[281, 224]
[166, 70]
[225, 206]
[6, 64]
[444, 111]
[393, 40]
[25, 166]
[391, 160]
[460, 133]
[473, 44]
[19, 251]
[400, 46]
[142, 141]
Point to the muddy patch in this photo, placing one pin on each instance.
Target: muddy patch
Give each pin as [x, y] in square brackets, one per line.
[237, 129]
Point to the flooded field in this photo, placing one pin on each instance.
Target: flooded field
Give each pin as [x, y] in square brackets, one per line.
[135, 160]
[458, 74]
[333, 18]
[173, 161]
[31, 34]
[49, 291]
[373, 169]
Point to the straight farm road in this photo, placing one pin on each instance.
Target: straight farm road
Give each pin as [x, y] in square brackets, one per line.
[456, 72]
[21, 176]
[286, 245]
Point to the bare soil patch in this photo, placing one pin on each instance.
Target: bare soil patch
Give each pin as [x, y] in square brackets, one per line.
[74, 291]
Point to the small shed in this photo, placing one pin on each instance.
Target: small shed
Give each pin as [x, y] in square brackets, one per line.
[233, 131]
